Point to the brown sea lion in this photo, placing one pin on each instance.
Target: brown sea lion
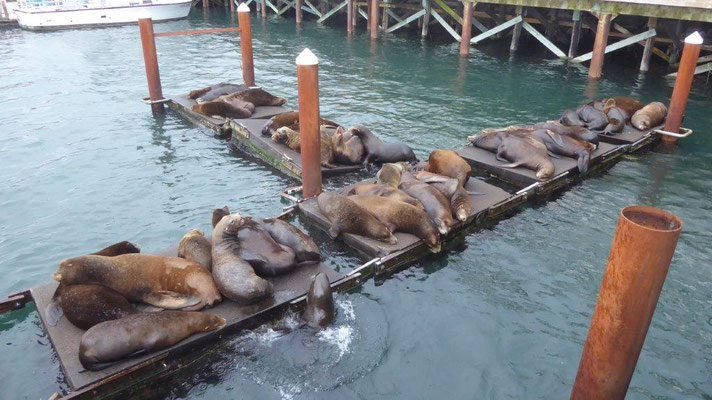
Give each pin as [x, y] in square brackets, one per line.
[526, 152]
[627, 104]
[401, 217]
[571, 118]
[267, 257]
[617, 119]
[593, 118]
[436, 205]
[219, 213]
[449, 163]
[194, 94]
[348, 217]
[292, 139]
[257, 96]
[195, 247]
[566, 146]
[116, 249]
[166, 282]
[234, 276]
[87, 305]
[390, 174]
[649, 116]
[348, 149]
[376, 189]
[490, 139]
[451, 189]
[250, 107]
[112, 341]
[288, 137]
[290, 120]
[378, 151]
[221, 109]
[577, 132]
[286, 234]
[319, 311]
[213, 92]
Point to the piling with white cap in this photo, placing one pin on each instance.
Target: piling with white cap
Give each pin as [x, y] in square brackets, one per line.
[683, 84]
[308, 90]
[248, 66]
[150, 59]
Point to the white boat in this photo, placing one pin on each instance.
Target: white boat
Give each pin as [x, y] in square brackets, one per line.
[56, 14]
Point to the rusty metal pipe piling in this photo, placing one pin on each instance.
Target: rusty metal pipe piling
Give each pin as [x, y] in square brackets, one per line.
[150, 59]
[683, 84]
[248, 66]
[308, 91]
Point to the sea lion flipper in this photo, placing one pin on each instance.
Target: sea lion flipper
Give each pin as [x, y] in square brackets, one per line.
[500, 158]
[53, 311]
[556, 137]
[583, 163]
[169, 300]
[512, 165]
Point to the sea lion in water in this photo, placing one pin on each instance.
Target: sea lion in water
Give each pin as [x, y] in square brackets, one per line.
[577, 132]
[286, 234]
[211, 93]
[571, 118]
[195, 247]
[257, 96]
[219, 213]
[451, 189]
[348, 217]
[375, 189]
[290, 120]
[649, 116]
[526, 152]
[566, 146]
[449, 163]
[378, 151]
[319, 311]
[594, 119]
[116, 249]
[390, 174]
[348, 149]
[166, 282]
[87, 305]
[436, 205]
[234, 276]
[111, 341]
[401, 217]
[217, 108]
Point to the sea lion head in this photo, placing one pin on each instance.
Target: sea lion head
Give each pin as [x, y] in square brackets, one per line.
[487, 139]
[281, 134]
[279, 101]
[234, 223]
[219, 213]
[610, 103]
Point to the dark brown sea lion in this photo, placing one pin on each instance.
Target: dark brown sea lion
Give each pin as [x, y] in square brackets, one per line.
[111, 341]
[290, 120]
[401, 217]
[627, 104]
[166, 282]
[593, 118]
[449, 163]
[219, 213]
[213, 92]
[566, 146]
[234, 276]
[117, 249]
[286, 234]
[577, 132]
[436, 205]
[194, 94]
[257, 96]
[195, 247]
[250, 107]
[348, 217]
[348, 149]
[319, 311]
[267, 257]
[571, 118]
[390, 174]
[217, 108]
[378, 151]
[375, 189]
[617, 119]
[528, 153]
[649, 116]
[87, 305]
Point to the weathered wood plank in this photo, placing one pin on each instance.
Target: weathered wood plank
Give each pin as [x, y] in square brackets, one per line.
[543, 40]
[496, 29]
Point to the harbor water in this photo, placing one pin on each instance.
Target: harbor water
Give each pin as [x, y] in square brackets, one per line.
[503, 314]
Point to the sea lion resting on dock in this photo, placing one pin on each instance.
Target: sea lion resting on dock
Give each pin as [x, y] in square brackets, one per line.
[390, 174]
[292, 139]
[593, 118]
[348, 149]
[436, 205]
[490, 139]
[265, 255]
[290, 120]
[565, 146]
[221, 109]
[348, 217]
[577, 132]
[526, 152]
[211, 93]
[649, 116]
[376, 189]
[378, 151]
[88, 305]
[195, 247]
[286, 234]
[141, 333]
[627, 104]
[165, 282]
[319, 311]
[617, 119]
[256, 96]
[451, 189]
[571, 118]
[449, 163]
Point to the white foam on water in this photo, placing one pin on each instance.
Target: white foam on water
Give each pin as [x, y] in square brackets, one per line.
[348, 309]
[340, 336]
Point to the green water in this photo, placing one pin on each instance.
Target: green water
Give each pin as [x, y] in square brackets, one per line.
[504, 315]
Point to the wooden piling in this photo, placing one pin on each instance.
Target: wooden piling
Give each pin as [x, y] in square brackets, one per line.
[649, 44]
[248, 67]
[308, 91]
[232, 6]
[298, 10]
[263, 8]
[575, 33]
[426, 19]
[516, 32]
[350, 17]
[373, 19]
[384, 18]
[599, 46]
[683, 84]
[206, 4]
[150, 60]
[642, 249]
[466, 32]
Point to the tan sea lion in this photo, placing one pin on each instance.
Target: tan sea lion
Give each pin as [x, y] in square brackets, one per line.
[286, 234]
[528, 153]
[166, 282]
[87, 305]
[290, 120]
[348, 217]
[257, 96]
[288, 137]
[436, 205]
[219, 213]
[649, 116]
[221, 109]
[401, 217]
[378, 151]
[292, 139]
[112, 341]
[319, 311]
[234, 276]
[195, 247]
[449, 163]
[348, 149]
[376, 189]
[627, 104]
[390, 174]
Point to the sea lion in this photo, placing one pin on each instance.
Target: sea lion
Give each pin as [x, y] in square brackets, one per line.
[571, 118]
[649, 116]
[319, 311]
[436, 205]
[286, 234]
[166, 282]
[627, 104]
[376, 189]
[267, 257]
[401, 217]
[490, 139]
[378, 151]
[390, 174]
[111, 341]
[221, 109]
[526, 152]
[116, 249]
[250, 107]
[617, 119]
[195, 247]
[593, 118]
[566, 146]
[290, 120]
[578, 132]
[219, 213]
[451, 189]
[449, 163]
[292, 139]
[234, 276]
[348, 217]
[288, 137]
[213, 92]
[257, 96]
[87, 305]
[348, 149]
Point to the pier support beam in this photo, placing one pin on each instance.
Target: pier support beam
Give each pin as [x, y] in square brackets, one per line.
[150, 59]
[575, 33]
[642, 249]
[517, 32]
[298, 10]
[649, 45]
[350, 17]
[599, 46]
[248, 66]
[232, 6]
[466, 33]
[373, 19]
[426, 19]
[263, 8]
[683, 84]
[384, 17]
[308, 91]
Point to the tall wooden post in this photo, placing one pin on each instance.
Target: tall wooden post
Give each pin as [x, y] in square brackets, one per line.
[350, 17]
[599, 46]
[232, 6]
[373, 19]
[516, 33]
[308, 91]
[263, 8]
[466, 33]
[298, 9]
[575, 34]
[206, 4]
[150, 60]
[683, 84]
[642, 249]
[384, 17]
[369, 5]
[248, 66]
[649, 44]
[426, 19]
